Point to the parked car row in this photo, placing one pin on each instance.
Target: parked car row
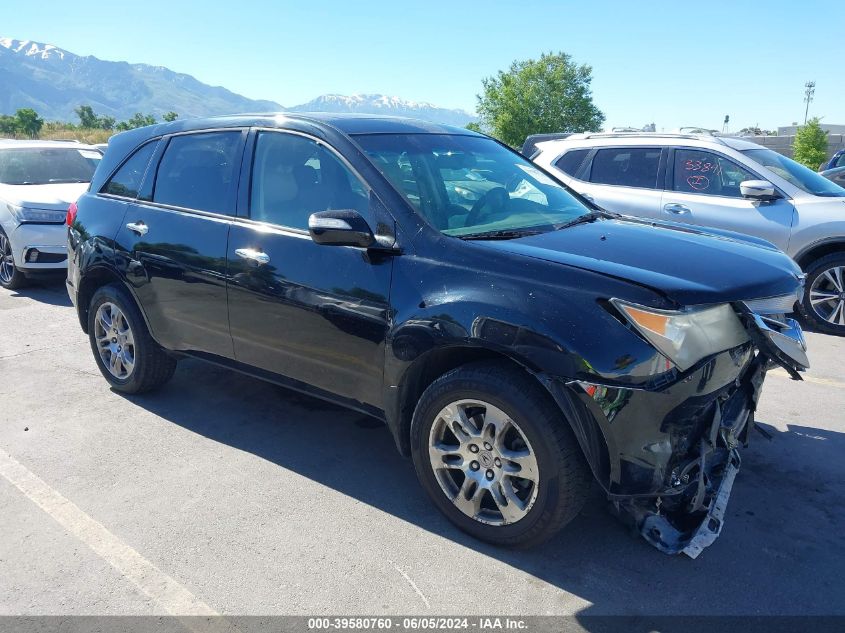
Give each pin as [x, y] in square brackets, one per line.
[722, 182]
[518, 340]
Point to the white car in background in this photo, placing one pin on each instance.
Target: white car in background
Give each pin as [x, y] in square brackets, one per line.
[38, 181]
[721, 182]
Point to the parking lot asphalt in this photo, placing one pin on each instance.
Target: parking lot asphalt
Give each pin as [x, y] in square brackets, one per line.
[224, 494]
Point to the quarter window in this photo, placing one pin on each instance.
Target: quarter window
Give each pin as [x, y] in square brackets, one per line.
[698, 171]
[126, 182]
[294, 176]
[197, 171]
[626, 166]
[571, 162]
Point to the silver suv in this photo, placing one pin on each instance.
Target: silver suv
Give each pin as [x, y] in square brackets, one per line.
[723, 182]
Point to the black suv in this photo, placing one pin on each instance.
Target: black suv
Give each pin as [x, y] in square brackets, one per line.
[518, 341]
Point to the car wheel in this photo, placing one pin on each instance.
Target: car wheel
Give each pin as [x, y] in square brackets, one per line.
[496, 455]
[128, 357]
[10, 277]
[823, 304]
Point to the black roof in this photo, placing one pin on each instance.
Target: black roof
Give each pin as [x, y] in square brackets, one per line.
[348, 123]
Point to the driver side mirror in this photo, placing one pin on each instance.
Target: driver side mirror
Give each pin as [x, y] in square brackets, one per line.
[344, 227]
[758, 190]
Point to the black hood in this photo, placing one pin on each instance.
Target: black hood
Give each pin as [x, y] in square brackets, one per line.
[688, 265]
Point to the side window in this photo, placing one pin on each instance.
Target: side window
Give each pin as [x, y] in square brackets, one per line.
[294, 176]
[197, 171]
[570, 162]
[840, 162]
[126, 182]
[700, 171]
[626, 166]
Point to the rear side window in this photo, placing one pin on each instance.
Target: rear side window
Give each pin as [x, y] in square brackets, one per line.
[699, 171]
[570, 162]
[840, 162]
[197, 171]
[626, 166]
[126, 182]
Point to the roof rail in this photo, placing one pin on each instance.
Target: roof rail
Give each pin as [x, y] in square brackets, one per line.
[648, 135]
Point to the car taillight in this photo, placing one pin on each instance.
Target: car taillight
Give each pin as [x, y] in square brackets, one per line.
[71, 214]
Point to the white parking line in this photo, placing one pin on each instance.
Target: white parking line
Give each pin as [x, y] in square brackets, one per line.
[164, 590]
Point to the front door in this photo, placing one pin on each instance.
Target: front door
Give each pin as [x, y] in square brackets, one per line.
[172, 244]
[317, 315]
[704, 190]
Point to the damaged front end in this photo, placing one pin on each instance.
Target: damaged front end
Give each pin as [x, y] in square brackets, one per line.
[674, 450]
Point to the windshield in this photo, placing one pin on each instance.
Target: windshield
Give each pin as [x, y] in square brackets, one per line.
[466, 185]
[795, 173]
[47, 165]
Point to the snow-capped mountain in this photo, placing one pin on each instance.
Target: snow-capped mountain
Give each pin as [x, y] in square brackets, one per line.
[54, 81]
[382, 104]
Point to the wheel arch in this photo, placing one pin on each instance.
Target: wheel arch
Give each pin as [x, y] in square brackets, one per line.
[430, 366]
[94, 279]
[818, 250]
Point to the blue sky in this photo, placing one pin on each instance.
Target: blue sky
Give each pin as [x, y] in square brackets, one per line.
[673, 63]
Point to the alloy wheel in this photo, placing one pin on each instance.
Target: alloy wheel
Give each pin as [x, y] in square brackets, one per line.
[483, 462]
[7, 261]
[115, 341]
[827, 295]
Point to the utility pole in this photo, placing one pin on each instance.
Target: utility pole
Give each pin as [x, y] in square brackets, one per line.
[809, 91]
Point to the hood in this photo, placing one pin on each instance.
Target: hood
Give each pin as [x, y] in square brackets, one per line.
[54, 197]
[687, 265]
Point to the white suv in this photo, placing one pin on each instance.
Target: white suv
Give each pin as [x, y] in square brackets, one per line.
[38, 181]
[722, 182]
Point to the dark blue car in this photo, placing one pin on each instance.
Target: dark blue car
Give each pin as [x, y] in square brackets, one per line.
[517, 341]
[837, 160]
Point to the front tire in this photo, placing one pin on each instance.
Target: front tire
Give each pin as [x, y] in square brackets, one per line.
[127, 356]
[10, 277]
[823, 304]
[496, 455]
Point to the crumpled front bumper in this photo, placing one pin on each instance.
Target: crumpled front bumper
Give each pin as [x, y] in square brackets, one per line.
[676, 471]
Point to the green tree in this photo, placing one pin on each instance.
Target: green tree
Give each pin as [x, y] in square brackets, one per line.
[550, 94]
[8, 125]
[87, 117]
[106, 122]
[29, 122]
[170, 116]
[810, 145]
[473, 126]
[137, 120]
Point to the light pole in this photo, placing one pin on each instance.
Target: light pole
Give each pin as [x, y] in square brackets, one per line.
[809, 91]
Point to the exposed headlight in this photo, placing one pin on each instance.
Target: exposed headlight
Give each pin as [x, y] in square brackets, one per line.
[687, 336]
[23, 214]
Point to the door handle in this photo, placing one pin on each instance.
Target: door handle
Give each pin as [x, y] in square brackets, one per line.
[253, 255]
[677, 209]
[138, 227]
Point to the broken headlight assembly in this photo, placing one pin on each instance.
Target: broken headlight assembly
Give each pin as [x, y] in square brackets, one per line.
[689, 335]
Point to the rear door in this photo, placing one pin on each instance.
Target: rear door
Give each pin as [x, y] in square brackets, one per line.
[702, 188]
[317, 315]
[623, 179]
[172, 244]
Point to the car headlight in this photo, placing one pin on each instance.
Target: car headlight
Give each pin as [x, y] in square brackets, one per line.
[686, 336]
[24, 214]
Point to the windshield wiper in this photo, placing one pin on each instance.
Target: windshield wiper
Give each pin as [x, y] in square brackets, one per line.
[592, 216]
[505, 234]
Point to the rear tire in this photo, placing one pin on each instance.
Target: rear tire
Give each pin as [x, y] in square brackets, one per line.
[127, 356]
[10, 277]
[823, 304]
[510, 472]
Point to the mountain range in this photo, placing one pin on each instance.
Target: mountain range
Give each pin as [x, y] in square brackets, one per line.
[53, 81]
